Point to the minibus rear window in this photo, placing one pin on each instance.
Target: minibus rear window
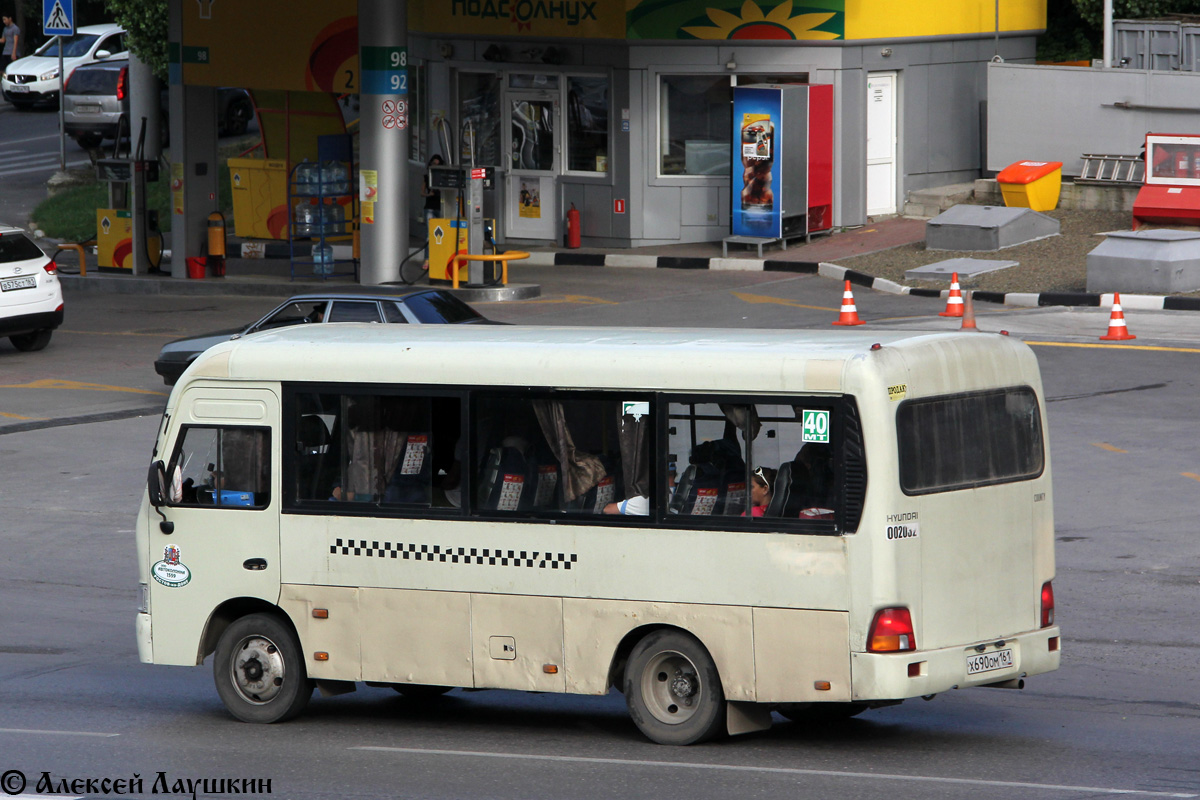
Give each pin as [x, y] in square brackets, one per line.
[967, 440]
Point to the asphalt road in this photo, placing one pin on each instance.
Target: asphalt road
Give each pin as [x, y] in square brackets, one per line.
[1120, 718]
[29, 155]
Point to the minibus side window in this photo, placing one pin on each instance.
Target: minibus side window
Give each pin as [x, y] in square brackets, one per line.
[554, 454]
[967, 440]
[765, 461]
[377, 450]
[221, 466]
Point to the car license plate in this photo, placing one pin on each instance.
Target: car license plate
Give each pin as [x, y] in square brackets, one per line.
[86, 108]
[988, 662]
[27, 282]
[18, 89]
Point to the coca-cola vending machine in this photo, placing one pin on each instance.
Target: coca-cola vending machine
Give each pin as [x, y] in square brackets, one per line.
[783, 160]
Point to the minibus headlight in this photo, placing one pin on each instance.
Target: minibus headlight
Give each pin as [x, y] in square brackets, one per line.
[891, 632]
[143, 598]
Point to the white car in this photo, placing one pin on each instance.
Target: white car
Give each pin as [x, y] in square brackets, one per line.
[35, 79]
[31, 299]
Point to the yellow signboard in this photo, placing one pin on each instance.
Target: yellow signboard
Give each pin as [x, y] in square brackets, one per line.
[588, 19]
[271, 44]
[894, 19]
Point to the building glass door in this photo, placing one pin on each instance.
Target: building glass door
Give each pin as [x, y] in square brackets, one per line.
[533, 131]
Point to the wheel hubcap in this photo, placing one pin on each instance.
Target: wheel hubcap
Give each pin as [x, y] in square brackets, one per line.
[257, 670]
[671, 688]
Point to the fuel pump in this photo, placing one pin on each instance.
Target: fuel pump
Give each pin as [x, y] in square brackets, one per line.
[125, 232]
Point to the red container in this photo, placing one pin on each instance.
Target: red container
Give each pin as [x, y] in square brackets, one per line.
[573, 230]
[196, 266]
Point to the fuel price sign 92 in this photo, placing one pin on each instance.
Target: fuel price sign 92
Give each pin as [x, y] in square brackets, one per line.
[385, 70]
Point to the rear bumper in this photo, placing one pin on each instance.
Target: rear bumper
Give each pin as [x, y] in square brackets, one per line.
[170, 370]
[107, 130]
[28, 323]
[885, 676]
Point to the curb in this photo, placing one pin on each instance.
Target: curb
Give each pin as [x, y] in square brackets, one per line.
[1140, 302]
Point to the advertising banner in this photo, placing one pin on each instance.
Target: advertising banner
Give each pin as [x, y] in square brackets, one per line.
[756, 119]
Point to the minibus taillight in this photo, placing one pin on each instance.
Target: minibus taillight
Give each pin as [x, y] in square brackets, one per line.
[891, 632]
[1047, 605]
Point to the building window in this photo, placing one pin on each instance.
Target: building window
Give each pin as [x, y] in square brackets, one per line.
[479, 111]
[695, 124]
[587, 124]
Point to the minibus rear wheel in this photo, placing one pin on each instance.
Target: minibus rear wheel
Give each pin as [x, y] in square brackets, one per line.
[673, 690]
[259, 670]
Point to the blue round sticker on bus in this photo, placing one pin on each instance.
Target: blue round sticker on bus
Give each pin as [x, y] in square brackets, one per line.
[171, 571]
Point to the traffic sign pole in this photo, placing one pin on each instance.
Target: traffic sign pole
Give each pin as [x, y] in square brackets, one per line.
[58, 20]
[62, 113]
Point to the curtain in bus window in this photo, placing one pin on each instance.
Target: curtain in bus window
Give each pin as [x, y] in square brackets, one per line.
[390, 450]
[633, 432]
[581, 470]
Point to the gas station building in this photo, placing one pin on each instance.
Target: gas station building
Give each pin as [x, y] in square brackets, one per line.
[621, 109]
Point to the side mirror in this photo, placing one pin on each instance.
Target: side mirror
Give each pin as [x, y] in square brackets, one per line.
[103, 54]
[156, 483]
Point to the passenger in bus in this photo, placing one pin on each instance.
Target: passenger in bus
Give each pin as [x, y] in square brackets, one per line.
[812, 487]
[639, 505]
[762, 484]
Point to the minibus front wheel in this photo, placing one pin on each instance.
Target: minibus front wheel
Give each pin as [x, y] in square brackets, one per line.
[673, 690]
[259, 670]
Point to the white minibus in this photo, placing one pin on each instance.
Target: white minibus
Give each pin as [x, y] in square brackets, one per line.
[717, 523]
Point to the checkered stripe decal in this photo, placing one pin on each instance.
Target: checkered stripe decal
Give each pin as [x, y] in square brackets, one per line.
[453, 555]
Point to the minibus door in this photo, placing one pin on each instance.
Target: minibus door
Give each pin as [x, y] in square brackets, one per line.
[220, 536]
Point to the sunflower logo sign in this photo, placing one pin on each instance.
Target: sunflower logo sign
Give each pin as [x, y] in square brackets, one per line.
[739, 20]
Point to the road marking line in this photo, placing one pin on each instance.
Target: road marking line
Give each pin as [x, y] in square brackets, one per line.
[18, 416]
[29, 731]
[1118, 346]
[52, 383]
[31, 139]
[1108, 447]
[1191, 475]
[579, 299]
[121, 333]
[774, 771]
[763, 298]
[51, 165]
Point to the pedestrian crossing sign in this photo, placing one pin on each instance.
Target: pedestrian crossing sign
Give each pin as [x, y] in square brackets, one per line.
[58, 17]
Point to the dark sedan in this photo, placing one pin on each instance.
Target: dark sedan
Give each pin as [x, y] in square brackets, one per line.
[420, 307]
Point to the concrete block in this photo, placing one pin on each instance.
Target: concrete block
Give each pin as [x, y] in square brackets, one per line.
[1161, 261]
[965, 267]
[966, 227]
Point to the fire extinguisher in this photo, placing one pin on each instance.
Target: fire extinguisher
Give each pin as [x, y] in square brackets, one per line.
[573, 227]
[216, 243]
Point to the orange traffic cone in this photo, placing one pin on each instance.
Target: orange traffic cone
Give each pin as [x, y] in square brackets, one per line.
[968, 314]
[954, 303]
[1117, 330]
[849, 315]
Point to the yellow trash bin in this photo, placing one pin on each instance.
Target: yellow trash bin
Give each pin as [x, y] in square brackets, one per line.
[260, 202]
[1031, 184]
